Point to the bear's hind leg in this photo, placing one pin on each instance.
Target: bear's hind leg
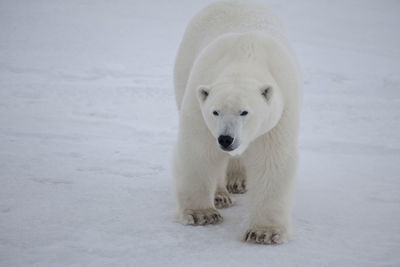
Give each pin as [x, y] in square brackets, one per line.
[222, 197]
[223, 200]
[236, 176]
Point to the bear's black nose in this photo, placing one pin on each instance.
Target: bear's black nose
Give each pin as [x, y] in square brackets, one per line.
[225, 140]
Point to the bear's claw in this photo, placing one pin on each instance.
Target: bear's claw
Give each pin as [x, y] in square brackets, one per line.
[267, 235]
[236, 185]
[202, 217]
[223, 200]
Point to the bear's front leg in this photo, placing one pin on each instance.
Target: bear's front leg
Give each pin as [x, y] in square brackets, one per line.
[270, 180]
[196, 170]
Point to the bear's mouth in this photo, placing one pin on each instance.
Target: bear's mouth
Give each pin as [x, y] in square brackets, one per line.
[235, 149]
[227, 149]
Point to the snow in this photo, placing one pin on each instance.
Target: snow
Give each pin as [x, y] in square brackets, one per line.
[88, 123]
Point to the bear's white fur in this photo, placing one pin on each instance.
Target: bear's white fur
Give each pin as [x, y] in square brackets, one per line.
[236, 76]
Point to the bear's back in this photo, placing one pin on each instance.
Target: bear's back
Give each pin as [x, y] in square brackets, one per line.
[214, 21]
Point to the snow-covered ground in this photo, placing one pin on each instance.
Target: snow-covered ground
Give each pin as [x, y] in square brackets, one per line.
[88, 122]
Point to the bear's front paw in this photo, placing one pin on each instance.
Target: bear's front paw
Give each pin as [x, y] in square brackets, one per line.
[201, 217]
[223, 200]
[236, 184]
[266, 235]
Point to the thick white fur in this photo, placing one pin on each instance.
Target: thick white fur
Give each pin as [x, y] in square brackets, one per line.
[234, 50]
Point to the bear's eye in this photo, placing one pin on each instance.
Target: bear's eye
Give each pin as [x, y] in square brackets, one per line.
[244, 113]
[215, 113]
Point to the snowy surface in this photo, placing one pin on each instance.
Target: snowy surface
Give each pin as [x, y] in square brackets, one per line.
[88, 122]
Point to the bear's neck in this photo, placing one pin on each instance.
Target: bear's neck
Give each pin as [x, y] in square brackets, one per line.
[244, 73]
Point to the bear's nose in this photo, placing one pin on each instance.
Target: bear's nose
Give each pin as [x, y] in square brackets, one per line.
[225, 140]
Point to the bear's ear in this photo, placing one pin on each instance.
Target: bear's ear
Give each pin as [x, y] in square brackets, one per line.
[203, 92]
[266, 92]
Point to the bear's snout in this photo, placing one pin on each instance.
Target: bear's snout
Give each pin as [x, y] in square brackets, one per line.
[225, 141]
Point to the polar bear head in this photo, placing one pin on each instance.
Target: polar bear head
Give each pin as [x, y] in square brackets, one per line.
[237, 113]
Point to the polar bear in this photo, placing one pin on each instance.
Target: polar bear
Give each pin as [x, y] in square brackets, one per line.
[238, 90]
